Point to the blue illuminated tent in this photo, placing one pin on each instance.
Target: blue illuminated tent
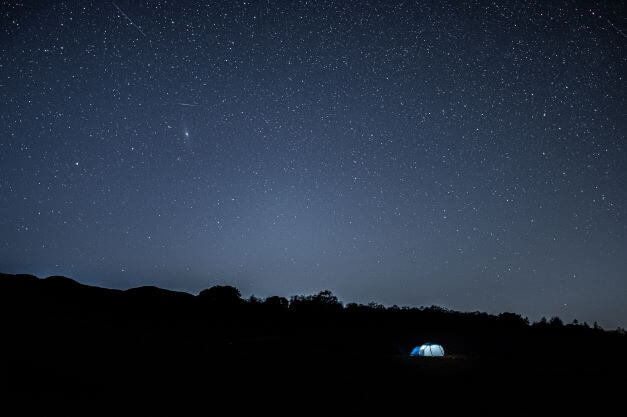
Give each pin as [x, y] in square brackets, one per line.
[428, 349]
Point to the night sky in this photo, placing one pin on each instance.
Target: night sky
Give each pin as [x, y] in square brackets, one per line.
[469, 154]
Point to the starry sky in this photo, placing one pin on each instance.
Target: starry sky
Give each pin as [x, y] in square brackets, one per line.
[469, 154]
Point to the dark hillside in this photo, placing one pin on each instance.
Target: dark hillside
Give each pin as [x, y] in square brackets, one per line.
[64, 338]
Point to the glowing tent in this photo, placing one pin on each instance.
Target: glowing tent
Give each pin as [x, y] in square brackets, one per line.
[428, 350]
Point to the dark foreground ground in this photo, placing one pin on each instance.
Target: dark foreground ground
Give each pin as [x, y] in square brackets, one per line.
[64, 343]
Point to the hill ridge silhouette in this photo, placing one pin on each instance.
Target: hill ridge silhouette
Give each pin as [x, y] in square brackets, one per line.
[62, 282]
[72, 337]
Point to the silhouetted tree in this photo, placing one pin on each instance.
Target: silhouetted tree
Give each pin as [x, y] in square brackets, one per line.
[253, 300]
[556, 322]
[512, 319]
[324, 301]
[327, 298]
[221, 295]
[276, 302]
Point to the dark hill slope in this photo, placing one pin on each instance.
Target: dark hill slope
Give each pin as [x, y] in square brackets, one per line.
[61, 337]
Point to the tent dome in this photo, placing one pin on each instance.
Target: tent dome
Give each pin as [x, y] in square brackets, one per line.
[428, 349]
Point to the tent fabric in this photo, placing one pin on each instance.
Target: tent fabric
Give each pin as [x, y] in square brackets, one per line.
[428, 349]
